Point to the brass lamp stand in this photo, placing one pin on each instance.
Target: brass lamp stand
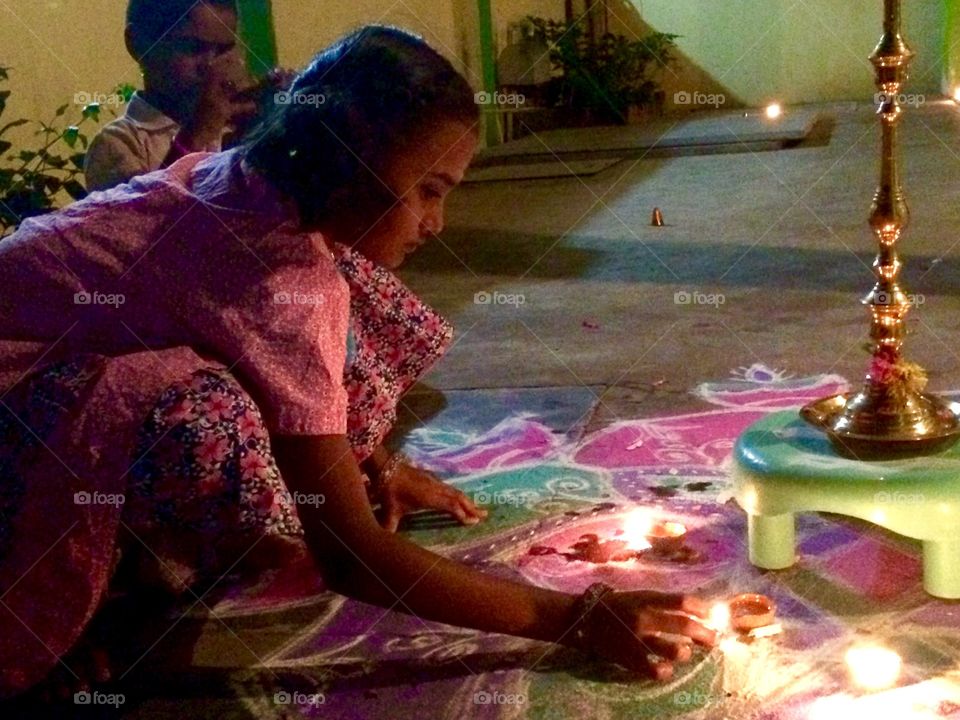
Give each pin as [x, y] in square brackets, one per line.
[889, 416]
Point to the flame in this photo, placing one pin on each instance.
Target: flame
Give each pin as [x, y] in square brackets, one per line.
[873, 667]
[719, 617]
[913, 702]
[637, 527]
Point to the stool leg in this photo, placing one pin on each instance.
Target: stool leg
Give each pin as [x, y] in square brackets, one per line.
[941, 568]
[772, 541]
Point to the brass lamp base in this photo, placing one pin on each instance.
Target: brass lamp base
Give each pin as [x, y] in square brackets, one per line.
[889, 417]
[864, 426]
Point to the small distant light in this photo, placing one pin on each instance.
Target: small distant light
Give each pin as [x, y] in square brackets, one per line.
[873, 668]
[774, 110]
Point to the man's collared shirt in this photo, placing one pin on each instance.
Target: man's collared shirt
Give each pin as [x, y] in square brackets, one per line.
[131, 145]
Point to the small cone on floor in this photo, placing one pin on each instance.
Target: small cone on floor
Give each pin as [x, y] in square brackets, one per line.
[657, 219]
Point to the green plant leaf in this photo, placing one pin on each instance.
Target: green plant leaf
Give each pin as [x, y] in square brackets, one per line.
[75, 189]
[56, 161]
[3, 99]
[52, 184]
[27, 155]
[70, 135]
[92, 111]
[61, 110]
[4, 146]
[4, 75]
[77, 160]
[125, 90]
[15, 123]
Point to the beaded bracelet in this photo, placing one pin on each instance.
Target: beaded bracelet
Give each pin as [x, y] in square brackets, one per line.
[583, 606]
[389, 470]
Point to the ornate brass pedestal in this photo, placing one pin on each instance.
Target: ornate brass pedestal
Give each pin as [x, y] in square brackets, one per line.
[889, 416]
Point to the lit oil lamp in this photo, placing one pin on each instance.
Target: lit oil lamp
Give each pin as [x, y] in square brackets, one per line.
[873, 667]
[748, 614]
[666, 537]
[642, 532]
[641, 538]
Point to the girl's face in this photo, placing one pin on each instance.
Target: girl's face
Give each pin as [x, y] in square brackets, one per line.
[421, 177]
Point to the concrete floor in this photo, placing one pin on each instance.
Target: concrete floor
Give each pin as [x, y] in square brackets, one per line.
[781, 235]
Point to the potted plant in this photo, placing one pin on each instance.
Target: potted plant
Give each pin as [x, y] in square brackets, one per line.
[606, 80]
[35, 180]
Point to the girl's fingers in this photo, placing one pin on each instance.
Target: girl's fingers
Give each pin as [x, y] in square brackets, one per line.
[639, 661]
[674, 650]
[471, 506]
[664, 622]
[472, 513]
[673, 601]
[660, 671]
[450, 502]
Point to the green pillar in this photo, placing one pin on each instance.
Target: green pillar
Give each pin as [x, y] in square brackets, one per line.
[488, 64]
[951, 51]
[257, 33]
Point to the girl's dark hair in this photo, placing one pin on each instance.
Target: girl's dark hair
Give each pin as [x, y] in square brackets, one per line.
[150, 20]
[325, 143]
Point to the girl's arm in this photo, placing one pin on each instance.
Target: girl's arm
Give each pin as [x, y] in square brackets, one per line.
[378, 458]
[360, 559]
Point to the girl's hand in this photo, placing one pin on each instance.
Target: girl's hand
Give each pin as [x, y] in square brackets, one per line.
[410, 488]
[644, 631]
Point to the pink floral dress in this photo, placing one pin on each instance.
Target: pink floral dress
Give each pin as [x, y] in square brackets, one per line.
[398, 338]
[145, 423]
[151, 339]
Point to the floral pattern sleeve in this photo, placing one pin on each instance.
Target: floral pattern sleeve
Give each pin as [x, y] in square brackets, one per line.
[398, 338]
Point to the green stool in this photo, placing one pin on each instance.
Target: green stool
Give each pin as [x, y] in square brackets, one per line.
[783, 465]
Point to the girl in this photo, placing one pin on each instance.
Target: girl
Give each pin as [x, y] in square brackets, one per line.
[188, 54]
[171, 376]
